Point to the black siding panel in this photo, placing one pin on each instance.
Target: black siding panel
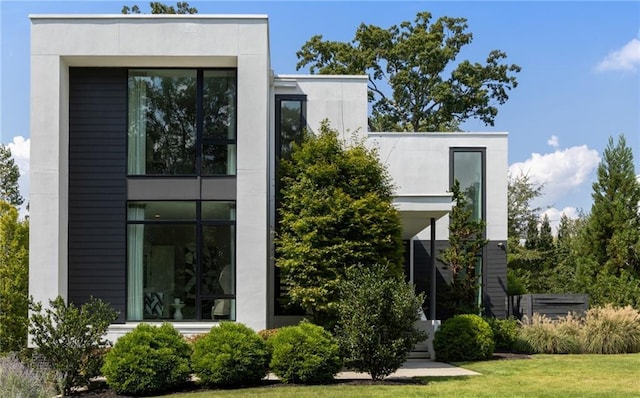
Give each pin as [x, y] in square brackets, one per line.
[97, 185]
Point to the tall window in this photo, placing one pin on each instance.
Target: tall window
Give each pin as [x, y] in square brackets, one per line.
[182, 122]
[181, 260]
[468, 167]
[290, 117]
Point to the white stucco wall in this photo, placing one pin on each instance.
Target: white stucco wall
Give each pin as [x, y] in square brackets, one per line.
[340, 99]
[61, 41]
[419, 164]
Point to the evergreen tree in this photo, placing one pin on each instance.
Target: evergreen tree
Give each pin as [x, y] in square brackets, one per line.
[336, 213]
[9, 175]
[466, 241]
[612, 234]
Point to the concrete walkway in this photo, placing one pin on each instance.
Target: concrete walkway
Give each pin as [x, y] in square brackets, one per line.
[416, 367]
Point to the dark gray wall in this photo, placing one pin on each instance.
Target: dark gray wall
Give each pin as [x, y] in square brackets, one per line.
[97, 185]
[494, 277]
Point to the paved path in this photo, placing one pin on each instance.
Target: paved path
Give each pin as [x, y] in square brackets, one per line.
[416, 367]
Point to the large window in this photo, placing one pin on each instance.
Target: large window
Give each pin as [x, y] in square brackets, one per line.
[182, 122]
[468, 167]
[181, 260]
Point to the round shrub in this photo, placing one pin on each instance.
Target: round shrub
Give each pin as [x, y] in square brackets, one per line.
[464, 337]
[230, 355]
[505, 332]
[305, 353]
[147, 360]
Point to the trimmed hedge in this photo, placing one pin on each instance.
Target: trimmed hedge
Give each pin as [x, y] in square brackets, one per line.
[465, 337]
[230, 355]
[305, 353]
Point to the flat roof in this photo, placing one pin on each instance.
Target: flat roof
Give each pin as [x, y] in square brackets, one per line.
[148, 16]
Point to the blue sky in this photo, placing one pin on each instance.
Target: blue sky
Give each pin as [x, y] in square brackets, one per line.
[579, 85]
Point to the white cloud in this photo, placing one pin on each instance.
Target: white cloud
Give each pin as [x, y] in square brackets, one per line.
[553, 141]
[20, 153]
[561, 172]
[627, 58]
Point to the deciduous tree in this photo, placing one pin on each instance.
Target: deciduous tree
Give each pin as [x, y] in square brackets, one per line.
[336, 213]
[182, 7]
[414, 82]
[9, 175]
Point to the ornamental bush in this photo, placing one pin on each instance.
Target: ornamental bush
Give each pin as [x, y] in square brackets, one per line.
[505, 332]
[465, 337]
[148, 360]
[305, 353]
[611, 330]
[377, 316]
[230, 355]
[70, 338]
[18, 380]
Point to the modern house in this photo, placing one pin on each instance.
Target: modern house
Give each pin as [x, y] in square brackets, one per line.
[154, 141]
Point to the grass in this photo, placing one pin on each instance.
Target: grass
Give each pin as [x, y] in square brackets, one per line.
[542, 376]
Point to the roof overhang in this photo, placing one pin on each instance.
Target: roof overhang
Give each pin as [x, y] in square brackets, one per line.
[416, 211]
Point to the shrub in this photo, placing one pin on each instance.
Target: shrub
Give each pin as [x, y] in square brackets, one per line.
[545, 336]
[18, 380]
[465, 337]
[149, 359]
[611, 330]
[377, 314]
[505, 332]
[305, 353]
[230, 355]
[70, 338]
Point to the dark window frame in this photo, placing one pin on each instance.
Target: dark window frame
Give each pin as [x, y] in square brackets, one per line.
[200, 141]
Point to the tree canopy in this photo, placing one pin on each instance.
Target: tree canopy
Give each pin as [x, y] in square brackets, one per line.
[182, 7]
[413, 83]
[336, 213]
[9, 175]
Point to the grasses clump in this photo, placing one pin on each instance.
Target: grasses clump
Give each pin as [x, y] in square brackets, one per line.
[19, 380]
[547, 336]
[611, 330]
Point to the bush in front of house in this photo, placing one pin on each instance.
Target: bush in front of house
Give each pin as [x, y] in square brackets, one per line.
[465, 337]
[611, 330]
[543, 335]
[304, 353]
[505, 332]
[19, 380]
[70, 338]
[230, 355]
[149, 359]
[377, 317]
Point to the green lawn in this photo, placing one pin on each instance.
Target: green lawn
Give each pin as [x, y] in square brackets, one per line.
[543, 376]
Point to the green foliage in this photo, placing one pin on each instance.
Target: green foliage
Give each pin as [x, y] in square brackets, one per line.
[612, 233]
[14, 279]
[336, 212]
[20, 381]
[70, 339]
[305, 353]
[9, 175]
[611, 330]
[377, 314]
[408, 65]
[505, 332]
[619, 290]
[182, 7]
[149, 359]
[546, 336]
[230, 355]
[466, 241]
[465, 337]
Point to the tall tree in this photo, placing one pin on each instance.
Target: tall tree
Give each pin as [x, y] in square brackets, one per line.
[9, 175]
[466, 240]
[612, 234]
[14, 279]
[414, 84]
[336, 213]
[182, 7]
